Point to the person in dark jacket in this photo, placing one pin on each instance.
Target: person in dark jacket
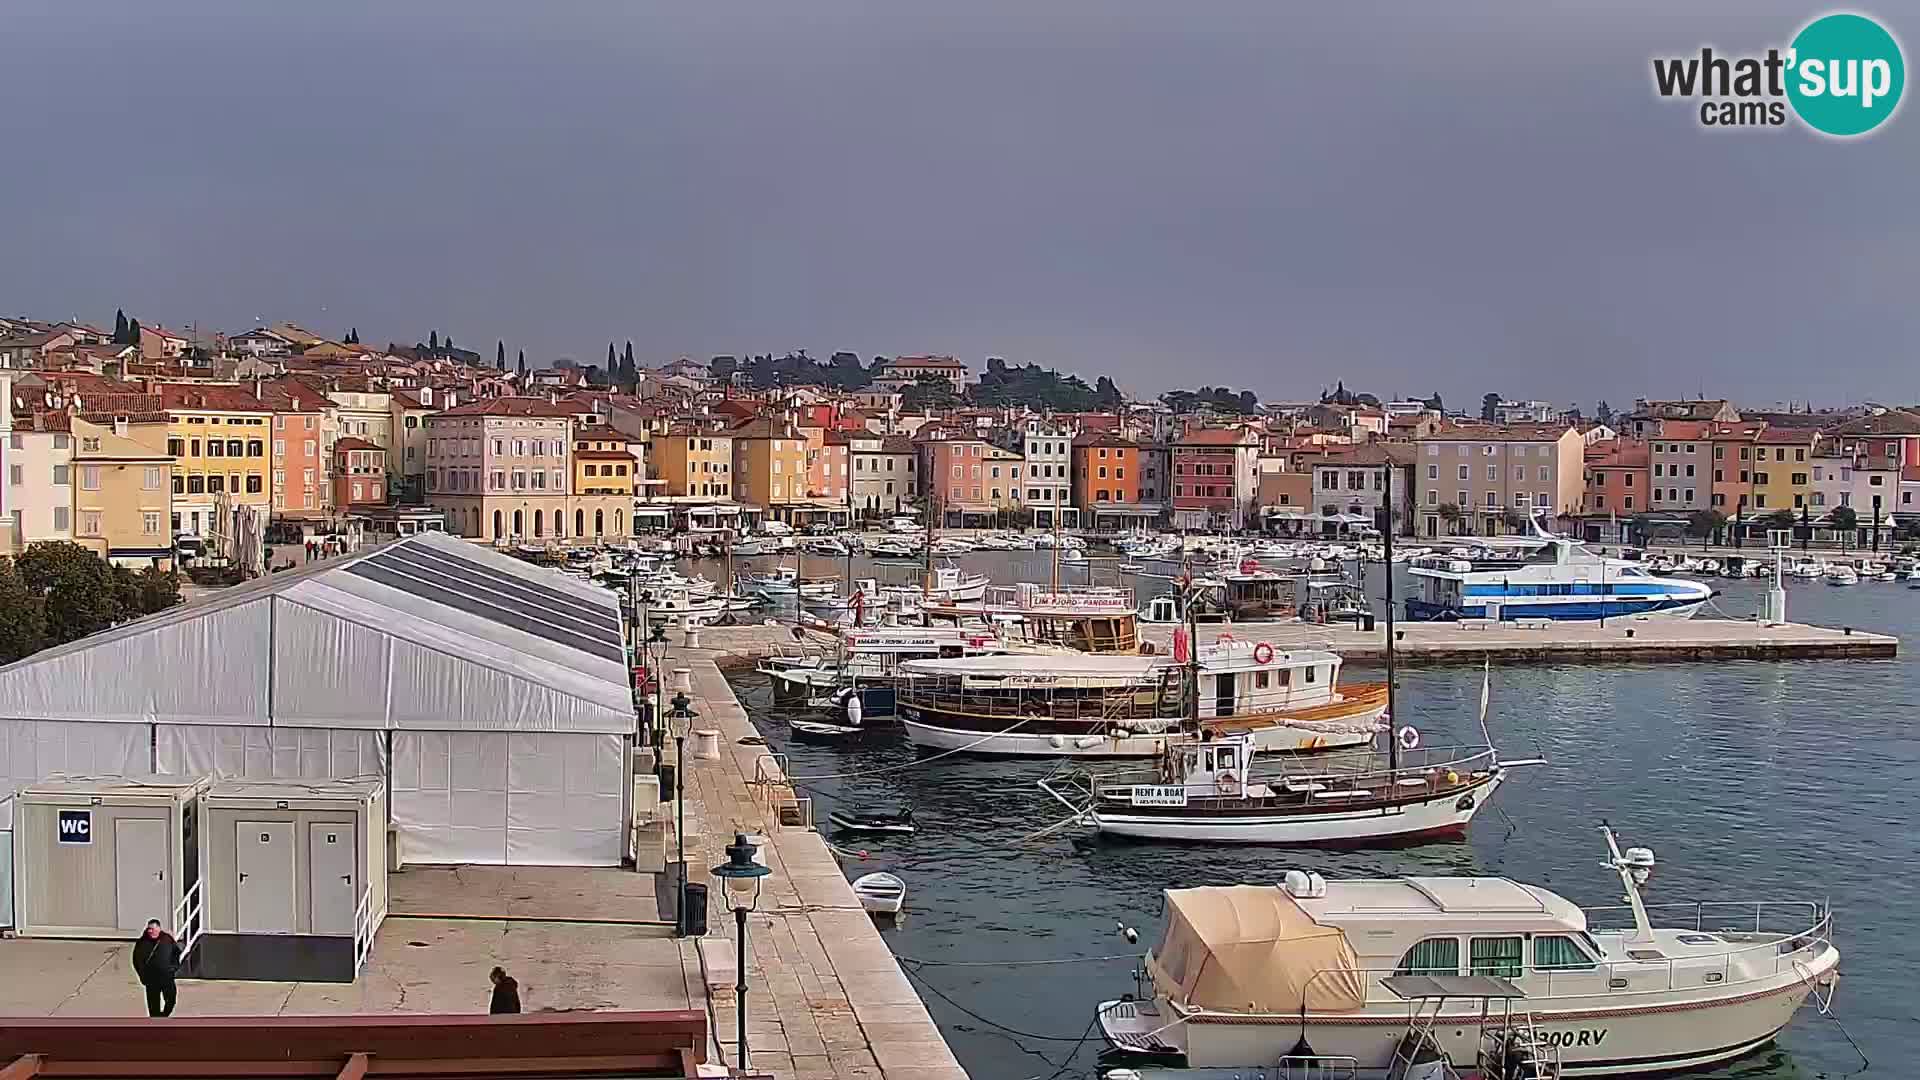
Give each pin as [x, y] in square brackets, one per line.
[506, 992]
[156, 960]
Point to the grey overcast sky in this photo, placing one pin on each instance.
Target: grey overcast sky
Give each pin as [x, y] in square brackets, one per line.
[1411, 197]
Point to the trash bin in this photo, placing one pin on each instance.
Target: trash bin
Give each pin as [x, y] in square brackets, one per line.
[694, 897]
[668, 775]
[1366, 621]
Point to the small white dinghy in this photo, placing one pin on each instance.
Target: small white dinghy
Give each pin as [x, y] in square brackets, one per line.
[880, 893]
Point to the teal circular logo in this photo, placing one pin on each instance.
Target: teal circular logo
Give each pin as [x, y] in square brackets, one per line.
[1845, 74]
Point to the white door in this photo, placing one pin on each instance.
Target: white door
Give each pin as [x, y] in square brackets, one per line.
[140, 873]
[264, 852]
[333, 889]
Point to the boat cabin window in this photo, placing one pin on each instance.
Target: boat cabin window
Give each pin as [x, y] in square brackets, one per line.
[1434, 956]
[1312, 673]
[948, 652]
[1500, 956]
[1558, 952]
[1259, 680]
[1286, 677]
[1222, 758]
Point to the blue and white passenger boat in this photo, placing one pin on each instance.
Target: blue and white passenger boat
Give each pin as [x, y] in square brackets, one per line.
[1563, 580]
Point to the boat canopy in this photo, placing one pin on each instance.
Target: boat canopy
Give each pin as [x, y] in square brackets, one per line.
[1252, 948]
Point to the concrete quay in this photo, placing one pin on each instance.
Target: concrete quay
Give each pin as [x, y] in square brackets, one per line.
[1616, 641]
[826, 998]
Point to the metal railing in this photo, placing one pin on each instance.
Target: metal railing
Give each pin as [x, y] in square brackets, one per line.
[363, 929]
[189, 920]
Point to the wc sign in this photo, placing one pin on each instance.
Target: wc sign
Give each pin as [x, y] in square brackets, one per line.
[76, 826]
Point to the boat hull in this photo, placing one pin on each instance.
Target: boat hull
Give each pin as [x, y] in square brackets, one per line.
[924, 729]
[1592, 1041]
[1563, 611]
[1447, 814]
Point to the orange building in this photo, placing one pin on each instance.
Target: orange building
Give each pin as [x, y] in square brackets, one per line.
[299, 493]
[1106, 480]
[359, 474]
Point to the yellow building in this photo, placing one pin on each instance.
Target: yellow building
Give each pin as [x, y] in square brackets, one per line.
[603, 472]
[218, 437]
[1003, 468]
[1783, 469]
[123, 492]
[769, 463]
[694, 461]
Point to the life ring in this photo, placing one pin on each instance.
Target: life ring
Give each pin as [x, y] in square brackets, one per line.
[1263, 653]
[1409, 738]
[1226, 779]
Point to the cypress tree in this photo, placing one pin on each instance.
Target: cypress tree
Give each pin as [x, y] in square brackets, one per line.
[523, 365]
[612, 364]
[133, 332]
[119, 327]
[500, 355]
[433, 341]
[629, 374]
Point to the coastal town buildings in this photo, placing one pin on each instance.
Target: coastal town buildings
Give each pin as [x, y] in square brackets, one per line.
[885, 482]
[1497, 478]
[122, 491]
[218, 437]
[499, 468]
[1216, 478]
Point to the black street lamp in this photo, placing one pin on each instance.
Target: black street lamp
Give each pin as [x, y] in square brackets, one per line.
[657, 637]
[742, 876]
[681, 717]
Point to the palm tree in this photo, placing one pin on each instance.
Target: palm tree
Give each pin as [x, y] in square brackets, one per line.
[1514, 520]
[1844, 520]
[1450, 514]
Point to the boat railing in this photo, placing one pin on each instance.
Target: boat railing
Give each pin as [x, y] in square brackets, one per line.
[1745, 963]
[1307, 771]
[1315, 1067]
[1105, 704]
[1794, 917]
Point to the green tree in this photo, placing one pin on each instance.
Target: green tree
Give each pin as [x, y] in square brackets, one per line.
[23, 623]
[1106, 396]
[433, 341]
[133, 332]
[613, 358]
[1844, 520]
[929, 392]
[723, 367]
[500, 355]
[1435, 403]
[353, 335]
[77, 589]
[120, 327]
[1450, 513]
[158, 590]
[1603, 412]
[1704, 524]
[523, 365]
[1639, 529]
[629, 371]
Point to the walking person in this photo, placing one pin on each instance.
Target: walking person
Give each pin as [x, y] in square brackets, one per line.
[156, 961]
[506, 993]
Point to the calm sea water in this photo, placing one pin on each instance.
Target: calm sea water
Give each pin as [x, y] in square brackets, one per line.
[1749, 780]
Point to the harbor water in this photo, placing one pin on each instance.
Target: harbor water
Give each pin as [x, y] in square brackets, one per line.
[1750, 780]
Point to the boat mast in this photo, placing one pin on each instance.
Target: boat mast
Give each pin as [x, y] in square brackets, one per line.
[1393, 716]
[847, 584]
[1056, 541]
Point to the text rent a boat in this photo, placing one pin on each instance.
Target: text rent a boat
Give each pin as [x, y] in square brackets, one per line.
[1131, 706]
[1253, 975]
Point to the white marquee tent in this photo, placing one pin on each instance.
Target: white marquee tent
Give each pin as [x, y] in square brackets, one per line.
[493, 695]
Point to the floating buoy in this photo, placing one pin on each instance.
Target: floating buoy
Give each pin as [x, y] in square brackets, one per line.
[1263, 653]
[1409, 738]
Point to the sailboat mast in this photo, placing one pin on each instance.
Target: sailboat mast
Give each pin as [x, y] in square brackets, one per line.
[1393, 716]
[1056, 541]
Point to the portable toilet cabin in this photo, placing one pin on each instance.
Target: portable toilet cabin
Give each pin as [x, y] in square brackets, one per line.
[296, 878]
[97, 857]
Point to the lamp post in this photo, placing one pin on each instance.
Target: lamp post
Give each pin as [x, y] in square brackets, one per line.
[742, 876]
[681, 716]
[657, 637]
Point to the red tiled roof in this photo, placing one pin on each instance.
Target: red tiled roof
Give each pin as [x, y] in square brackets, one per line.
[602, 455]
[1891, 422]
[1683, 429]
[1787, 436]
[513, 406]
[1217, 437]
[356, 444]
[179, 396]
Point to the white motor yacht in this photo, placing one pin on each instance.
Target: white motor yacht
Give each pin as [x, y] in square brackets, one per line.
[1247, 976]
[1842, 574]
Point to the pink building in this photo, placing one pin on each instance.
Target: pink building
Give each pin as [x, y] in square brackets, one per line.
[953, 473]
[1216, 478]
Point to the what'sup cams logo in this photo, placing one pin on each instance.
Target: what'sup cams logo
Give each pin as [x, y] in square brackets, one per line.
[1842, 76]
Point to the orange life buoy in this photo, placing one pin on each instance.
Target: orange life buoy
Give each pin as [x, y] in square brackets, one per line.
[1263, 653]
[1225, 779]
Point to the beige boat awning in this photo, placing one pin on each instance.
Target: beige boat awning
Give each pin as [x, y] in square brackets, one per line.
[1251, 948]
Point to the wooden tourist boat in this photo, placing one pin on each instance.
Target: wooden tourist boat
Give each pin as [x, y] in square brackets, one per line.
[1132, 706]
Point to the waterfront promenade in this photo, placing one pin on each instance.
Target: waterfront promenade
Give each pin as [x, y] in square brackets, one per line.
[827, 999]
[1615, 641]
